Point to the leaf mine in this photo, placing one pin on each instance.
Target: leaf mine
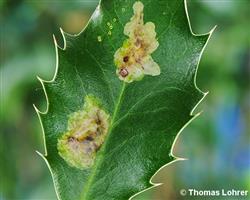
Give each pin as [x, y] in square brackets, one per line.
[133, 60]
[85, 134]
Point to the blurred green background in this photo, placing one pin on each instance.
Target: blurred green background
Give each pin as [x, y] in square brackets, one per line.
[217, 143]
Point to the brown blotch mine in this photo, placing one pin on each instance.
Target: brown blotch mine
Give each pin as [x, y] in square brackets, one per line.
[86, 132]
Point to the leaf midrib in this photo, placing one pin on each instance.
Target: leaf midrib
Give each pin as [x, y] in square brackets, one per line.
[99, 159]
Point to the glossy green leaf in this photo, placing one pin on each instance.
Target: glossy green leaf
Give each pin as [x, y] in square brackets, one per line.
[145, 116]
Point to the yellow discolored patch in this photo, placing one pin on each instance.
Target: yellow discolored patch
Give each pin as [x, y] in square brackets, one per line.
[85, 134]
[133, 60]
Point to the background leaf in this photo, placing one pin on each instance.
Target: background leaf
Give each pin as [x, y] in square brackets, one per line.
[146, 115]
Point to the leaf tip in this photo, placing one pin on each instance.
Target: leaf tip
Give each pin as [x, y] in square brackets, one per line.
[64, 40]
[40, 154]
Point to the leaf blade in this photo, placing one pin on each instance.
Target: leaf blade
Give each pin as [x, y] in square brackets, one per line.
[179, 84]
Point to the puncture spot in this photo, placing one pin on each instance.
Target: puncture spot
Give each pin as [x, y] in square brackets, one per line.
[99, 38]
[110, 26]
[85, 134]
[133, 60]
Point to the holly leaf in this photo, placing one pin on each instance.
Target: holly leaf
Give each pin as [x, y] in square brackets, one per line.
[123, 90]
